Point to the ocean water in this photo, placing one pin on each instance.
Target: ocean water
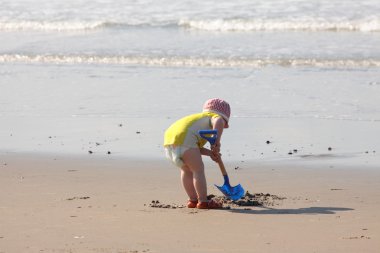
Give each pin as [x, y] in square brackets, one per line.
[112, 75]
[241, 33]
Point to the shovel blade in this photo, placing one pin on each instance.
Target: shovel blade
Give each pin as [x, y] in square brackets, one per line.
[232, 192]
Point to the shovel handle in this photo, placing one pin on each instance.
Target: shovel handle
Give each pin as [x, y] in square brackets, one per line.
[203, 134]
[222, 168]
[224, 172]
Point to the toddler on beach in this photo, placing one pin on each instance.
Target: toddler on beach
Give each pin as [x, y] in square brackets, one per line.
[184, 147]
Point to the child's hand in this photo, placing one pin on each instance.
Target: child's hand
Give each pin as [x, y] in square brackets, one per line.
[216, 148]
[215, 157]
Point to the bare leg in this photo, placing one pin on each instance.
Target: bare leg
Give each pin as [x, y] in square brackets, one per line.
[187, 182]
[193, 160]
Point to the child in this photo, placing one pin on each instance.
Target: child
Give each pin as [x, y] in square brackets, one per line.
[184, 147]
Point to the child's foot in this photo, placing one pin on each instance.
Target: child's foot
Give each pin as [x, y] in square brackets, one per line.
[212, 204]
[192, 203]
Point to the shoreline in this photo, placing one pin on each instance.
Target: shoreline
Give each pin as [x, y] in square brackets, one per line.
[290, 141]
[324, 160]
[82, 204]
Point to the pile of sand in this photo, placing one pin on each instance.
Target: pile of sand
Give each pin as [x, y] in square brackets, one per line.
[256, 199]
[158, 204]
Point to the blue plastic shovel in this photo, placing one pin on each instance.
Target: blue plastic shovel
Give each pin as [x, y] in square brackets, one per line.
[231, 192]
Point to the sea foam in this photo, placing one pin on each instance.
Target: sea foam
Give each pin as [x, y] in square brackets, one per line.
[180, 61]
[371, 24]
[51, 26]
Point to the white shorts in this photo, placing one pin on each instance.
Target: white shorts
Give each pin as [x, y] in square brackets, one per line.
[175, 153]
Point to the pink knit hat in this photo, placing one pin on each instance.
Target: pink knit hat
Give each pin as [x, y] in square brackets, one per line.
[218, 106]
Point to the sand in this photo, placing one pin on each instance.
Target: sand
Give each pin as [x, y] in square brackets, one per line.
[57, 203]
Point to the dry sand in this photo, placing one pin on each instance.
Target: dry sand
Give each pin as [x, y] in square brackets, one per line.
[91, 204]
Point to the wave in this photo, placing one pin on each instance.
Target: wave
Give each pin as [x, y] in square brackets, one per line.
[243, 25]
[69, 26]
[64, 26]
[56, 26]
[370, 24]
[177, 61]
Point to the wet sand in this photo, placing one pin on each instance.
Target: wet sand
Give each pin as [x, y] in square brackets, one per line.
[56, 203]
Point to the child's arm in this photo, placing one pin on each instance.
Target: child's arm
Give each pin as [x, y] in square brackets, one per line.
[207, 152]
[217, 124]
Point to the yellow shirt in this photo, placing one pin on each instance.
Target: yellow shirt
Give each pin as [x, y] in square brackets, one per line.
[184, 132]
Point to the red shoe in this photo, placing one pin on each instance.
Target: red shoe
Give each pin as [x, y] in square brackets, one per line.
[212, 204]
[192, 203]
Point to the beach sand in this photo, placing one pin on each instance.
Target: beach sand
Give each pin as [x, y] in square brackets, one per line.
[88, 88]
[58, 203]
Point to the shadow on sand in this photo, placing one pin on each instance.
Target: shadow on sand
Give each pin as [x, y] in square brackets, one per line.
[306, 210]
